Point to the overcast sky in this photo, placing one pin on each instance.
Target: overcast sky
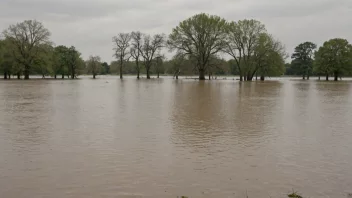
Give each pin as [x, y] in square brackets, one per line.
[90, 24]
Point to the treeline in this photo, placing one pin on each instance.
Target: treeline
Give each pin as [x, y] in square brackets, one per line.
[334, 58]
[26, 49]
[198, 43]
[167, 67]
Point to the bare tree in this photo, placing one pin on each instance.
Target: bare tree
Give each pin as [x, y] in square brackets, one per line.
[122, 43]
[94, 65]
[136, 49]
[149, 49]
[27, 37]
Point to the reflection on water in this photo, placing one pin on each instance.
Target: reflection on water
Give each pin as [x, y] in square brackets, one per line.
[163, 138]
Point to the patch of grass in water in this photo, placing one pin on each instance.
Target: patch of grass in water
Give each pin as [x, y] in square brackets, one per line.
[294, 195]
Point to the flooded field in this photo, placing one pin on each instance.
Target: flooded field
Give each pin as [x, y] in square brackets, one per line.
[166, 138]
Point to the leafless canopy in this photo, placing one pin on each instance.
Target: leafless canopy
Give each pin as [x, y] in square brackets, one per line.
[136, 48]
[122, 43]
[150, 47]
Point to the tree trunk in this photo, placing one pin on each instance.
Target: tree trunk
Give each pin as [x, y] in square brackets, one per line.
[43, 76]
[73, 73]
[209, 76]
[55, 76]
[9, 76]
[256, 76]
[26, 72]
[158, 74]
[308, 77]
[201, 74]
[249, 77]
[336, 76]
[319, 77]
[148, 75]
[327, 77]
[93, 76]
[63, 76]
[176, 76]
[18, 75]
[304, 76]
[121, 77]
[137, 67]
[241, 78]
[262, 78]
[5, 75]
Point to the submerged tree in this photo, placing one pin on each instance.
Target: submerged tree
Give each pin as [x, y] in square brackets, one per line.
[27, 38]
[42, 64]
[268, 57]
[73, 61]
[159, 65]
[199, 37]
[7, 60]
[122, 43]
[303, 58]
[135, 50]
[94, 65]
[334, 57]
[149, 48]
[60, 61]
[243, 39]
[177, 61]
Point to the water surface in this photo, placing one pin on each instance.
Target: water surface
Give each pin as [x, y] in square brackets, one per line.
[165, 138]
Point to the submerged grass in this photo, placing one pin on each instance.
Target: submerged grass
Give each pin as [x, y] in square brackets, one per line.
[292, 195]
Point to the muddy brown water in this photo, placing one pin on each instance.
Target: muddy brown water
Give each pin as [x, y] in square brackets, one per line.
[165, 138]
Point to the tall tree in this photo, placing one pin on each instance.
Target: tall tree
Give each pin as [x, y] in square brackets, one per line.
[334, 57]
[242, 39]
[149, 49]
[268, 58]
[60, 61]
[303, 56]
[122, 43]
[159, 64]
[136, 49]
[215, 66]
[94, 65]
[6, 59]
[43, 62]
[177, 61]
[199, 37]
[27, 37]
[73, 61]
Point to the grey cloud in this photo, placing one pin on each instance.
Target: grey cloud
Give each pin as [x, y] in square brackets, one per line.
[73, 8]
[297, 8]
[90, 24]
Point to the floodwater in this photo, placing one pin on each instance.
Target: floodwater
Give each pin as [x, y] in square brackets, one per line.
[166, 138]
